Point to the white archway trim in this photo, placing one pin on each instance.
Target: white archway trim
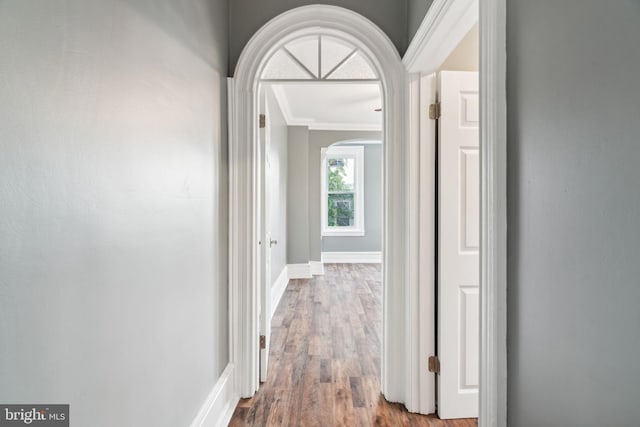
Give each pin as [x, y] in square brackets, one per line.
[399, 364]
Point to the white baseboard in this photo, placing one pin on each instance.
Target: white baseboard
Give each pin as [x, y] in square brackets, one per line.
[278, 288]
[317, 268]
[299, 271]
[352, 257]
[218, 409]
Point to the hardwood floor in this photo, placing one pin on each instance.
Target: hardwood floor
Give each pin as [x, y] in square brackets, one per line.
[324, 360]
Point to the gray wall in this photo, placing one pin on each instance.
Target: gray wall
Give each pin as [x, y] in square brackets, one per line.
[298, 195]
[113, 204]
[416, 11]
[248, 16]
[372, 240]
[573, 212]
[278, 158]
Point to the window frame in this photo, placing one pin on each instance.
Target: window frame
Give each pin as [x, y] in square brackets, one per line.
[348, 151]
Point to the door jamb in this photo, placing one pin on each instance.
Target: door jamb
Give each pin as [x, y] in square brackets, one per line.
[422, 200]
[265, 237]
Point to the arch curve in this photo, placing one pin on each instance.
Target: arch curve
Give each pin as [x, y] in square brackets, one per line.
[244, 184]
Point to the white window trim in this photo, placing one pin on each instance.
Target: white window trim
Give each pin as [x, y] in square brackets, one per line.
[352, 151]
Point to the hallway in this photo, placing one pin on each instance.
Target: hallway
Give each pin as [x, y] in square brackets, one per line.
[324, 366]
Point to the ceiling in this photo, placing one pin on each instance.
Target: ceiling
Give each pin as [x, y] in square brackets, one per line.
[331, 106]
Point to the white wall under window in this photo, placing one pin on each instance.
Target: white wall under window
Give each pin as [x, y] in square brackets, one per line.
[342, 191]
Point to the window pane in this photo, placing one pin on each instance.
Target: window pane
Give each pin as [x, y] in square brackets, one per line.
[281, 66]
[341, 210]
[355, 68]
[305, 49]
[341, 174]
[333, 51]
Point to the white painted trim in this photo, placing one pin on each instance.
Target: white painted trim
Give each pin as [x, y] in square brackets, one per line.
[493, 214]
[413, 225]
[444, 26]
[312, 82]
[317, 268]
[218, 408]
[351, 257]
[299, 271]
[305, 270]
[349, 151]
[374, 44]
[278, 288]
[350, 232]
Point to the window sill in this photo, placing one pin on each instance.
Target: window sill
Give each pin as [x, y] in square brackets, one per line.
[343, 233]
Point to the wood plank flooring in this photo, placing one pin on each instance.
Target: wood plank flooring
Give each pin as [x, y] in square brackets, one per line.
[324, 360]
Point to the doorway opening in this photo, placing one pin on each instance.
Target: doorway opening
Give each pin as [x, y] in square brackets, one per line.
[402, 362]
[316, 207]
[367, 46]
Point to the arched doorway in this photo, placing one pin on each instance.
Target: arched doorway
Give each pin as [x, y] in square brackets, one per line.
[398, 365]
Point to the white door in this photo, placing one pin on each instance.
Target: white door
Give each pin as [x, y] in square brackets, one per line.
[265, 281]
[458, 246]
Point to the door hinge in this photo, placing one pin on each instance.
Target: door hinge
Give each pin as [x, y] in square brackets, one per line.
[434, 364]
[263, 121]
[434, 111]
[263, 342]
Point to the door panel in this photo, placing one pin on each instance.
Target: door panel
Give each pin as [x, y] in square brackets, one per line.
[458, 246]
[469, 200]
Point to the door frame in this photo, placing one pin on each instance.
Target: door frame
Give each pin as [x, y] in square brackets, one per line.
[265, 233]
[446, 22]
[244, 214]
[398, 376]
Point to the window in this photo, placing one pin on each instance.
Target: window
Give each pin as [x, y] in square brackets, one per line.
[343, 191]
[318, 57]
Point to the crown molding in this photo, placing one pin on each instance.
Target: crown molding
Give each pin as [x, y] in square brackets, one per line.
[312, 124]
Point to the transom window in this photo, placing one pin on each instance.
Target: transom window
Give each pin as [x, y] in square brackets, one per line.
[318, 58]
[343, 191]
